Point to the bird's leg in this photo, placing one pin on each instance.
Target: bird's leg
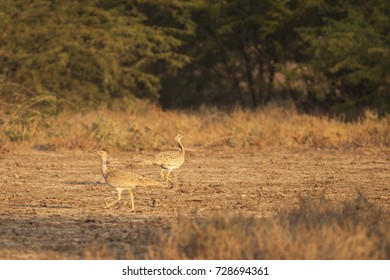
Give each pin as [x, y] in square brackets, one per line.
[132, 200]
[162, 173]
[167, 178]
[119, 198]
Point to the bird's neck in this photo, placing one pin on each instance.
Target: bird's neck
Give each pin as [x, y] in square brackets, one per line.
[104, 167]
[181, 147]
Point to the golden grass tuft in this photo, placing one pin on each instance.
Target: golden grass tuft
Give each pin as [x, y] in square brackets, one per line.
[143, 126]
[317, 230]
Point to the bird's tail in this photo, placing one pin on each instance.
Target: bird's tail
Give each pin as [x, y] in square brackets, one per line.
[154, 183]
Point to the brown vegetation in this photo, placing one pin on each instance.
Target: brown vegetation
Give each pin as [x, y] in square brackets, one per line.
[316, 230]
[147, 127]
[260, 183]
[239, 192]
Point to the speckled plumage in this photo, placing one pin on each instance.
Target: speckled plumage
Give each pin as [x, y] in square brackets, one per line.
[123, 180]
[127, 179]
[169, 160]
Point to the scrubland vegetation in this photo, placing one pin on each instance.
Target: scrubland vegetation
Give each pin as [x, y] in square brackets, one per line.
[354, 229]
[323, 56]
[71, 73]
[128, 75]
[317, 230]
[147, 127]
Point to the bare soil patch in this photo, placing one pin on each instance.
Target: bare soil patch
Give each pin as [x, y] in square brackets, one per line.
[52, 203]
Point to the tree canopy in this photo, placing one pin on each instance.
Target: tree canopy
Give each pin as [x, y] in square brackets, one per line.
[329, 55]
[89, 50]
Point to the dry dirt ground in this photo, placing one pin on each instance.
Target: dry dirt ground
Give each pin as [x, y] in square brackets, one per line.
[52, 203]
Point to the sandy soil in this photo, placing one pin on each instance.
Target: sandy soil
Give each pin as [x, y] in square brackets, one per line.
[52, 203]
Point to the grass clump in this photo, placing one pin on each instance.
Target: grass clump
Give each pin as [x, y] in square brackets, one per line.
[316, 230]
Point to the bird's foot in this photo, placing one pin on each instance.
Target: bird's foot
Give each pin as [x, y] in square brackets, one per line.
[170, 184]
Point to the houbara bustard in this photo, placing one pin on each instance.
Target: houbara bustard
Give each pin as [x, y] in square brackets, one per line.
[123, 180]
[169, 160]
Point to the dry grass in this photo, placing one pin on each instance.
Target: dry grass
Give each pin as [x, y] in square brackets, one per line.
[141, 126]
[317, 230]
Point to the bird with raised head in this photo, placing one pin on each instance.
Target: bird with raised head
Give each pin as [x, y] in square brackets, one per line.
[169, 160]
